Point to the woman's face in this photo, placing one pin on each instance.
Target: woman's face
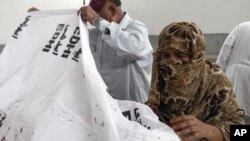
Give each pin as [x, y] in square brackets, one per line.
[172, 54]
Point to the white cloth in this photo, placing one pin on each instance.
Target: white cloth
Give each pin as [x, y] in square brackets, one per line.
[50, 89]
[123, 58]
[234, 59]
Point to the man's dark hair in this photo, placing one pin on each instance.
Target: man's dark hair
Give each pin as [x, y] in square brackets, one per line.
[116, 2]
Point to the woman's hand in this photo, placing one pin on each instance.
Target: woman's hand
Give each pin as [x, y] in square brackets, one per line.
[190, 128]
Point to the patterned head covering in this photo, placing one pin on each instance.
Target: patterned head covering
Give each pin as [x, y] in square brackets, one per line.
[183, 36]
[175, 79]
[187, 38]
[197, 88]
[97, 5]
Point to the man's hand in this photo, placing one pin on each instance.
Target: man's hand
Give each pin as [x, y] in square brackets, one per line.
[33, 9]
[88, 14]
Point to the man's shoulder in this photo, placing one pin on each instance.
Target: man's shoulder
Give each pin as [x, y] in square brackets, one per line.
[133, 21]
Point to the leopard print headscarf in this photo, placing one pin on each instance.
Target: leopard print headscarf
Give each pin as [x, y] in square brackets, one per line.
[187, 38]
[198, 88]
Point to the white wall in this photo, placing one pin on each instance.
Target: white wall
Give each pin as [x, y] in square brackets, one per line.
[213, 16]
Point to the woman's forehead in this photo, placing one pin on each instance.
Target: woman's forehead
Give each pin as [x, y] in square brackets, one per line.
[173, 46]
[171, 50]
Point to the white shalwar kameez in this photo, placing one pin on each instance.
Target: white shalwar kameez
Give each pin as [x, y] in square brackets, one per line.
[123, 56]
[234, 59]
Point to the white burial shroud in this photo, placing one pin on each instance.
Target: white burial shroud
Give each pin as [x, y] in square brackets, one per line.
[50, 89]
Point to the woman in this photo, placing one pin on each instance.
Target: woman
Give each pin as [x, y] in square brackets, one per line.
[188, 92]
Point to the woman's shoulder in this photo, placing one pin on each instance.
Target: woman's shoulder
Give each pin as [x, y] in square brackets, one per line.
[216, 75]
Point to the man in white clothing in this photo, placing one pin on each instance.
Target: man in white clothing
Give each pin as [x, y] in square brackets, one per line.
[121, 49]
[234, 59]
